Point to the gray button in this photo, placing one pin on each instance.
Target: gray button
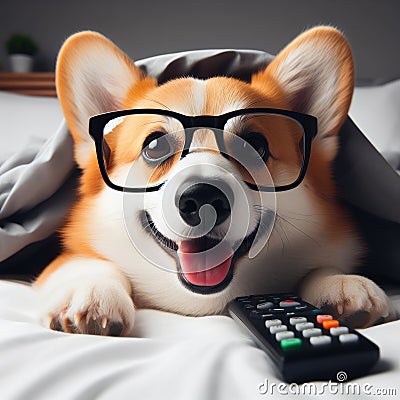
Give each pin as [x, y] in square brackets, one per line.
[277, 328]
[272, 322]
[297, 320]
[304, 325]
[265, 305]
[312, 332]
[348, 338]
[284, 335]
[320, 340]
[339, 330]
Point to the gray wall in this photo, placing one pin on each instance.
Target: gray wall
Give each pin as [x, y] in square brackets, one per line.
[145, 28]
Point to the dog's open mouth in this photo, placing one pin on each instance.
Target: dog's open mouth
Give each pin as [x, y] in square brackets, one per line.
[205, 265]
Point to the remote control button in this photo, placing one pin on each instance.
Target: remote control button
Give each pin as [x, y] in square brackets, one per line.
[290, 344]
[243, 298]
[284, 335]
[248, 306]
[288, 303]
[277, 328]
[258, 298]
[297, 320]
[333, 323]
[317, 311]
[277, 310]
[304, 325]
[312, 332]
[324, 317]
[265, 305]
[301, 308]
[272, 322]
[259, 314]
[348, 338]
[290, 313]
[320, 340]
[339, 330]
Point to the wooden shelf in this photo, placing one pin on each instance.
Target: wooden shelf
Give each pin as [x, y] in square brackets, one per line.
[33, 83]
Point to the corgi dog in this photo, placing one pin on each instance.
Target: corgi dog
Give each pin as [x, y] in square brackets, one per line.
[163, 184]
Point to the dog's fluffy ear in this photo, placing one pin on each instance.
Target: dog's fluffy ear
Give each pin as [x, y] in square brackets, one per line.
[316, 74]
[93, 77]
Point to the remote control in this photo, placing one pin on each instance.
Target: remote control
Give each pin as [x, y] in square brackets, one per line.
[304, 343]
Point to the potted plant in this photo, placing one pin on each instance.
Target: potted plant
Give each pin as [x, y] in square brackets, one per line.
[21, 49]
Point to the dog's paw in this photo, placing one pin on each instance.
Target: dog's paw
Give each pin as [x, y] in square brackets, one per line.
[355, 300]
[100, 308]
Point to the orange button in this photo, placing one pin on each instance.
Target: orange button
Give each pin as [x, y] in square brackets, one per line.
[323, 317]
[333, 323]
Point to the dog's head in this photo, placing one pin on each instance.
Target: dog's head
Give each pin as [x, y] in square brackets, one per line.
[203, 216]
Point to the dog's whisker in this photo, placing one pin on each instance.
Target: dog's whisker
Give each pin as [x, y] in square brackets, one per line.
[281, 219]
[260, 209]
[306, 220]
[280, 237]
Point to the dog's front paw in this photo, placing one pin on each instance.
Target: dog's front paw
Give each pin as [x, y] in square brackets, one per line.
[100, 308]
[355, 300]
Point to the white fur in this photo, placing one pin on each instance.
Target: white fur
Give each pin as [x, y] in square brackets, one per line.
[196, 107]
[348, 295]
[84, 289]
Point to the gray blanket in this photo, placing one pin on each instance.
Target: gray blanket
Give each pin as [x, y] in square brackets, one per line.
[37, 184]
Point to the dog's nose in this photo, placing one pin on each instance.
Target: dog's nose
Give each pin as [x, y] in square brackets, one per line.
[198, 195]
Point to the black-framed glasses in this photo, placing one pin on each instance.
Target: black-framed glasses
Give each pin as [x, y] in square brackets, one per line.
[137, 148]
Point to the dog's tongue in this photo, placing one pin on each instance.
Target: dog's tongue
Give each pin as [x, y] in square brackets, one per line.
[202, 264]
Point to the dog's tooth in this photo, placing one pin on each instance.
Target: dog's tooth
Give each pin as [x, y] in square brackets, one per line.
[340, 309]
[104, 322]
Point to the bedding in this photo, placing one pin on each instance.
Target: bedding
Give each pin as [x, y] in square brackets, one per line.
[375, 109]
[166, 355]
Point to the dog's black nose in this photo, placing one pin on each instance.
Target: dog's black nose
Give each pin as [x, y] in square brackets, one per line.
[200, 194]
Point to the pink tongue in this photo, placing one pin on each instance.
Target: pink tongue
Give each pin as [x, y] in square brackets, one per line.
[204, 267]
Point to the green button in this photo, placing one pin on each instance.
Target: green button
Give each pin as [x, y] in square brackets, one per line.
[290, 344]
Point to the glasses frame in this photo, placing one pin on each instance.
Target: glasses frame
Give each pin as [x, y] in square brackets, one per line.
[98, 122]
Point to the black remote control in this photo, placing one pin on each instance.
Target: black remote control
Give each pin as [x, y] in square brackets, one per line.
[304, 343]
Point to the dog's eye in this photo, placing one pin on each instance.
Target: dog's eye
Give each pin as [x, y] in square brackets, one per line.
[157, 147]
[258, 142]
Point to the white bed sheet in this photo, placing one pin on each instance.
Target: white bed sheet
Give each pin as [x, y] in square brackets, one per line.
[167, 357]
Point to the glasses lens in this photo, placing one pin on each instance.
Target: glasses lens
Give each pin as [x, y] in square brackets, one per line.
[140, 149]
[276, 141]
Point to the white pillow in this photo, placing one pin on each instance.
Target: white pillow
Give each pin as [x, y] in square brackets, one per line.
[25, 120]
[376, 111]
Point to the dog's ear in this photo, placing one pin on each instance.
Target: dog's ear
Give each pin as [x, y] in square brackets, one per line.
[316, 74]
[93, 76]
